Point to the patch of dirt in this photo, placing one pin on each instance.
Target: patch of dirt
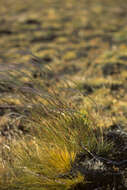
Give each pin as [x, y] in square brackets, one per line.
[105, 172]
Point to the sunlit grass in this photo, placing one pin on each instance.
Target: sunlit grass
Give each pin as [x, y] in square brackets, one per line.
[54, 134]
[43, 157]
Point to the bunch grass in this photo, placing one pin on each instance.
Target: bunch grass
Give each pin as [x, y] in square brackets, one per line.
[57, 133]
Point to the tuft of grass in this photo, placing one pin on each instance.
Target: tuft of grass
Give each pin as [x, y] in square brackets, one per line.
[44, 158]
[56, 133]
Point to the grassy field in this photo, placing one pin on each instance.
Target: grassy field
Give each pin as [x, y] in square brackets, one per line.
[63, 95]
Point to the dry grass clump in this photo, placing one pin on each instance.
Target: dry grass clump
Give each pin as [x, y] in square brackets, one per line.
[44, 158]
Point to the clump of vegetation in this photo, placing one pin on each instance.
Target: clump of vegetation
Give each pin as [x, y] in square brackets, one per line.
[44, 156]
[50, 142]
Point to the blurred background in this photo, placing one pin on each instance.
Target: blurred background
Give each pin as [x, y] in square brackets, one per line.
[82, 41]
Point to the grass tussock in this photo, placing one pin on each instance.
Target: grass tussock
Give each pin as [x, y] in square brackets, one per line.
[44, 157]
[54, 134]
